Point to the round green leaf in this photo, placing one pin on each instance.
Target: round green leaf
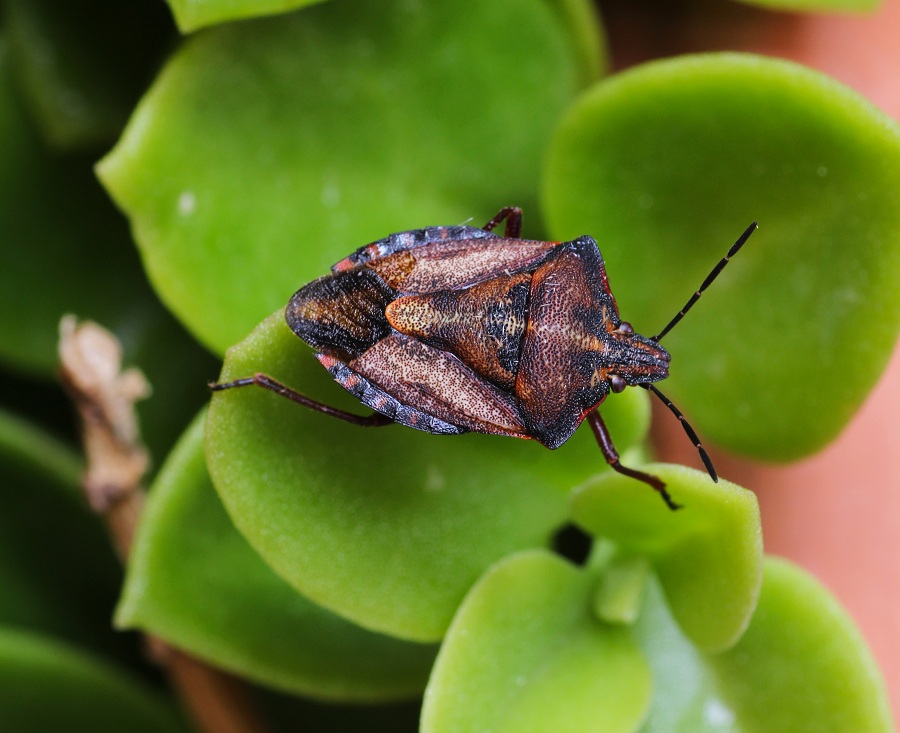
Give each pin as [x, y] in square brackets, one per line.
[708, 555]
[620, 593]
[803, 662]
[26, 448]
[668, 163]
[387, 526]
[193, 14]
[50, 687]
[194, 581]
[801, 667]
[526, 654]
[67, 250]
[58, 573]
[62, 239]
[82, 65]
[268, 150]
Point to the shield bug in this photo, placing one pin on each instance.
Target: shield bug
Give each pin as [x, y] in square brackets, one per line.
[456, 329]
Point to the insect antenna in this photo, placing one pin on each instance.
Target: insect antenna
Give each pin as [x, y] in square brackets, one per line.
[708, 281]
[692, 436]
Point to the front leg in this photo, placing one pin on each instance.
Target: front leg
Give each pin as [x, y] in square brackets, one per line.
[604, 440]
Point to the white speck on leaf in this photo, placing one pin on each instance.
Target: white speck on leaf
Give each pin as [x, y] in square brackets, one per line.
[435, 480]
[331, 195]
[187, 203]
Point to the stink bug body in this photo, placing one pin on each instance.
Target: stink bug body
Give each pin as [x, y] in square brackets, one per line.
[456, 329]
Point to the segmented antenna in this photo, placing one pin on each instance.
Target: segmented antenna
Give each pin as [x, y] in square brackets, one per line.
[709, 278]
[692, 436]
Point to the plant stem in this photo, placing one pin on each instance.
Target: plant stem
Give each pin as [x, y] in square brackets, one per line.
[91, 373]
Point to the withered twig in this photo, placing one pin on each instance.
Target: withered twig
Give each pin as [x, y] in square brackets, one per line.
[91, 372]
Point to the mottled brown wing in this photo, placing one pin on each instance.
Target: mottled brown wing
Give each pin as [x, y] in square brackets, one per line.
[438, 384]
[569, 307]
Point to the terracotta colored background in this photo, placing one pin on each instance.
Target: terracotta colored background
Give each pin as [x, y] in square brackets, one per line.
[836, 514]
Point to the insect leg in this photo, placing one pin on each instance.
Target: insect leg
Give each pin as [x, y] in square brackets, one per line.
[376, 419]
[604, 440]
[513, 217]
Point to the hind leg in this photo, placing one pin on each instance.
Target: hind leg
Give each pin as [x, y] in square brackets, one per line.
[266, 382]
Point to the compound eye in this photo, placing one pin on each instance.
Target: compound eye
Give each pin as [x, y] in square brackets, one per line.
[616, 383]
[626, 328]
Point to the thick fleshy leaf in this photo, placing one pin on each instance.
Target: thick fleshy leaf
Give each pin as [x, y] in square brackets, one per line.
[193, 14]
[47, 686]
[708, 555]
[387, 526]
[58, 573]
[268, 150]
[58, 234]
[801, 667]
[67, 250]
[83, 64]
[526, 654]
[194, 581]
[803, 662]
[26, 448]
[666, 164]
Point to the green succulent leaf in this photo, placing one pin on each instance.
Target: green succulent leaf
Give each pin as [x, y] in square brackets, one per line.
[267, 150]
[194, 581]
[620, 593]
[386, 526]
[708, 555]
[804, 662]
[193, 14]
[58, 573]
[83, 64]
[525, 654]
[28, 449]
[666, 164]
[801, 667]
[61, 240]
[67, 250]
[50, 686]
